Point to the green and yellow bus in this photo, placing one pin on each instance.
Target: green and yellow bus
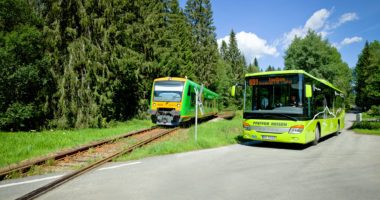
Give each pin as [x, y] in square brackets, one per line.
[291, 106]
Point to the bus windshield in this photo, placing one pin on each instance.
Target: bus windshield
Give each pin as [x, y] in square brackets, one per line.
[169, 91]
[279, 95]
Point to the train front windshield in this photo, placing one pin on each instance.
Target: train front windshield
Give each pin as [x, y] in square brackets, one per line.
[273, 96]
[168, 91]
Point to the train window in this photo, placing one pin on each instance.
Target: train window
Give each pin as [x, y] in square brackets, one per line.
[170, 91]
[190, 90]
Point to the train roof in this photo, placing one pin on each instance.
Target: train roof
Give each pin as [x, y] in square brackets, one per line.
[323, 81]
[208, 92]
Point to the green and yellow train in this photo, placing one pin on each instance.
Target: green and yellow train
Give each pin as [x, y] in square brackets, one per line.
[173, 101]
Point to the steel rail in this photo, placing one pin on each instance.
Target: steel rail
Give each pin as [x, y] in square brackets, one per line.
[25, 166]
[50, 186]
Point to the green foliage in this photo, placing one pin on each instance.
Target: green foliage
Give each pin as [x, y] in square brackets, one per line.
[270, 68]
[236, 59]
[319, 58]
[374, 111]
[205, 49]
[255, 62]
[77, 64]
[366, 125]
[235, 68]
[368, 76]
[254, 67]
[24, 75]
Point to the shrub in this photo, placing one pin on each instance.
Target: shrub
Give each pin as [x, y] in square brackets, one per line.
[374, 111]
[18, 117]
[366, 125]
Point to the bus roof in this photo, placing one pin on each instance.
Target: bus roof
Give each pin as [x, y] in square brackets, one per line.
[293, 72]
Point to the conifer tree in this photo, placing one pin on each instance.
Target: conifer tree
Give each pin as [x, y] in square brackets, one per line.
[255, 62]
[252, 69]
[199, 15]
[361, 75]
[224, 50]
[87, 48]
[236, 59]
[367, 76]
[175, 58]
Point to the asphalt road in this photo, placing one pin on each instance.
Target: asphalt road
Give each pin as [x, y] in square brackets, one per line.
[342, 167]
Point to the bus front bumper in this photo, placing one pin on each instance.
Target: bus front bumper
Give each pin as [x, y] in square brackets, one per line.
[284, 137]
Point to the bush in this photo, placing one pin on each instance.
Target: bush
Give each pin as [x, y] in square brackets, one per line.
[18, 117]
[366, 125]
[374, 111]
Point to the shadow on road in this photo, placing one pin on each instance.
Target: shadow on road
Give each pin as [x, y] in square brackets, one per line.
[275, 145]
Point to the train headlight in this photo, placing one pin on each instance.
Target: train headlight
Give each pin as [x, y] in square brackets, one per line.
[178, 105]
[154, 104]
[297, 129]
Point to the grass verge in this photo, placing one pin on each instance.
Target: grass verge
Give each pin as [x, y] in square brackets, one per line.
[367, 131]
[18, 146]
[210, 134]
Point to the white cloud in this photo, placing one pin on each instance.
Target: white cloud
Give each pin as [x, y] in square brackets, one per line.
[347, 41]
[348, 17]
[252, 46]
[318, 22]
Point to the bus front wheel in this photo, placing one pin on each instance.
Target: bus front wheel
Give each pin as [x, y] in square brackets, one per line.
[338, 129]
[317, 135]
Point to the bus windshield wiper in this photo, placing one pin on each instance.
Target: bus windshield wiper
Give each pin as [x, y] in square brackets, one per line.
[274, 114]
[289, 117]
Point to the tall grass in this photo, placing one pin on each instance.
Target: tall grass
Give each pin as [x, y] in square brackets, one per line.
[210, 134]
[18, 146]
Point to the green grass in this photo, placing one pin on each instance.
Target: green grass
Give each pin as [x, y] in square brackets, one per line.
[367, 131]
[210, 134]
[18, 146]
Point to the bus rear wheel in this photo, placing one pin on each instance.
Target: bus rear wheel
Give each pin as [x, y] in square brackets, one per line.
[317, 136]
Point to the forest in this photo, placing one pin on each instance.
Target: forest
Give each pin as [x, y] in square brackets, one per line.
[77, 64]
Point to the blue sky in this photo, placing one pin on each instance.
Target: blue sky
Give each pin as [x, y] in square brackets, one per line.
[264, 29]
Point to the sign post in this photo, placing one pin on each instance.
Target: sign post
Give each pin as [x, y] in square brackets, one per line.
[198, 103]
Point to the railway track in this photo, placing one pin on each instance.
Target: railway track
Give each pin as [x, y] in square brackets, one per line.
[81, 153]
[38, 192]
[25, 166]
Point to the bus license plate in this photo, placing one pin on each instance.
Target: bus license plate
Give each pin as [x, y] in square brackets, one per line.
[267, 137]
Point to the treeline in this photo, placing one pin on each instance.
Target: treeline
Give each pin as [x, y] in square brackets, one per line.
[361, 85]
[367, 73]
[74, 64]
[319, 58]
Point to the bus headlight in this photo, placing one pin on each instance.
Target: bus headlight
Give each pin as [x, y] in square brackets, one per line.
[297, 129]
[246, 126]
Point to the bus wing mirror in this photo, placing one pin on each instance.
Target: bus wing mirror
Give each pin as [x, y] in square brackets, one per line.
[233, 89]
[308, 91]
